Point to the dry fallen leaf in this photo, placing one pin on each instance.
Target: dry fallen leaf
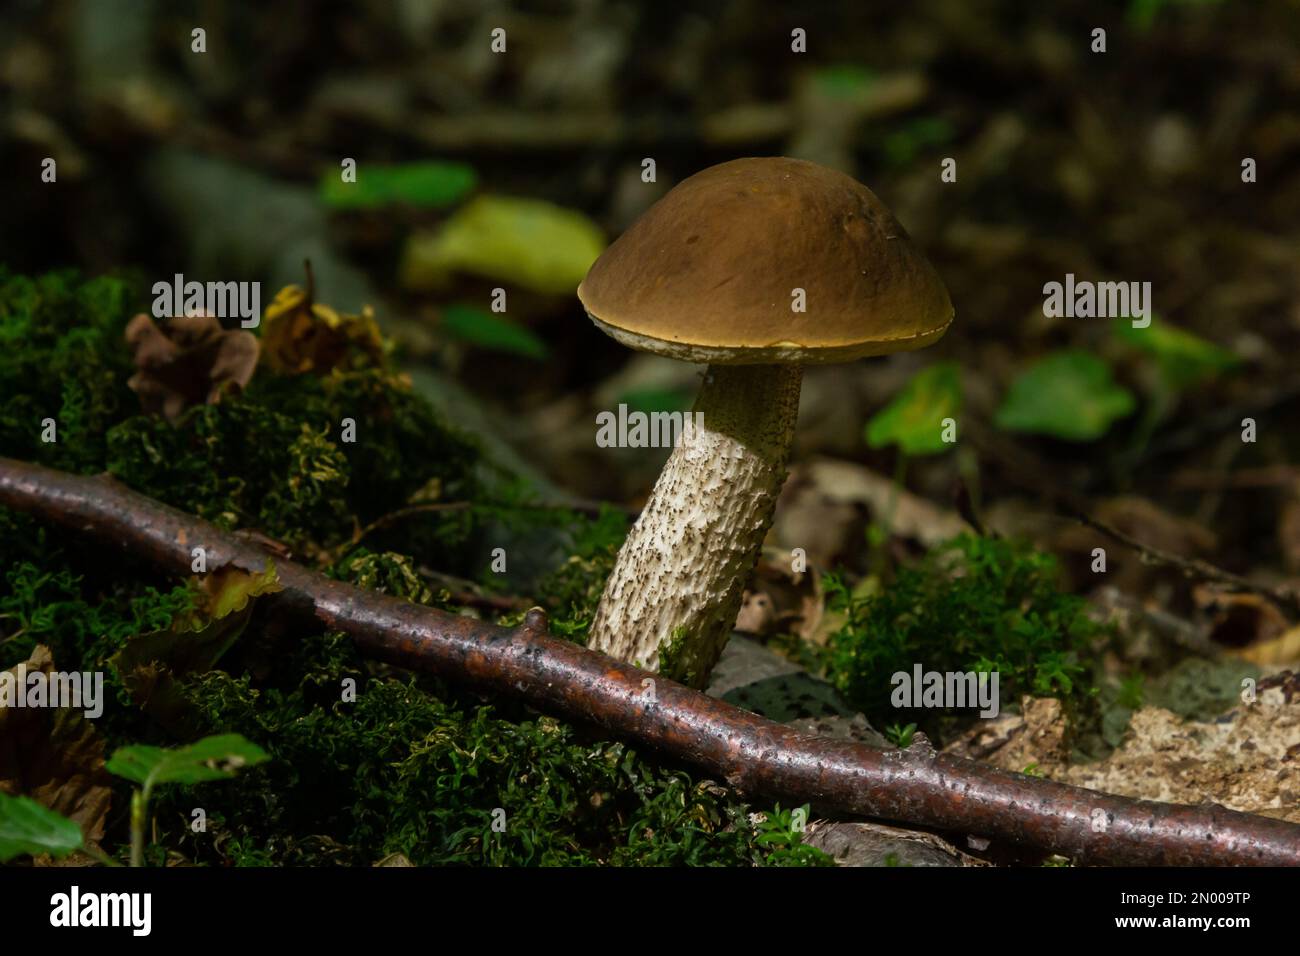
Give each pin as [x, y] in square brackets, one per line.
[1244, 760]
[300, 335]
[1238, 619]
[56, 757]
[1283, 649]
[189, 360]
[151, 664]
[780, 599]
[822, 505]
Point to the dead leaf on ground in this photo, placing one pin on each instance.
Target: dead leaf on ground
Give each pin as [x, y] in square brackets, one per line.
[1281, 650]
[56, 757]
[1245, 760]
[855, 843]
[1036, 735]
[188, 360]
[152, 664]
[780, 599]
[1237, 619]
[300, 335]
[822, 505]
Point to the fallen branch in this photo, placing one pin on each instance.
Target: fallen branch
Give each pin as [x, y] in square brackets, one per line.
[1193, 567]
[753, 754]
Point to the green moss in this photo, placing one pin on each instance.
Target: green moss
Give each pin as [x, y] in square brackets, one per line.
[571, 592]
[975, 604]
[408, 764]
[428, 774]
[62, 358]
[675, 662]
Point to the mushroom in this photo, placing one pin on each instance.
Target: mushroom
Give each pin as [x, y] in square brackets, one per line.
[755, 267]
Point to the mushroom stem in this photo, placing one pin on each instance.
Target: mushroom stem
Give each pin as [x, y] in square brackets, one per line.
[673, 596]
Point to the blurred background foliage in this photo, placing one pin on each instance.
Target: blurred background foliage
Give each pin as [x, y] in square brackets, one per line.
[478, 171]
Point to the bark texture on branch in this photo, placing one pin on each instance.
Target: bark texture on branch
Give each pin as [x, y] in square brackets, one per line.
[915, 786]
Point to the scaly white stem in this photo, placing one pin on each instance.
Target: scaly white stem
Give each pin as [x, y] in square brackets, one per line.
[672, 599]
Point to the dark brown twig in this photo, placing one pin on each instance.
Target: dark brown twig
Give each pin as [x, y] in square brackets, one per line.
[1193, 567]
[752, 753]
[590, 508]
[401, 514]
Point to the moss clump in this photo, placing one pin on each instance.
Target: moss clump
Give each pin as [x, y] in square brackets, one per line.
[974, 604]
[406, 764]
[572, 591]
[675, 661]
[62, 358]
[447, 779]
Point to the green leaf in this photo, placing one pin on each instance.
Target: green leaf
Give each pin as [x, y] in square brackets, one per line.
[27, 827]
[1185, 359]
[914, 419]
[528, 242]
[1142, 13]
[902, 146]
[488, 331]
[1068, 394]
[432, 185]
[212, 758]
[844, 80]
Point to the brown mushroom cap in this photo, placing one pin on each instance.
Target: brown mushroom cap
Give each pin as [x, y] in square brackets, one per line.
[707, 273]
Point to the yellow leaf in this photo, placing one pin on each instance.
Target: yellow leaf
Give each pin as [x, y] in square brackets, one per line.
[299, 335]
[527, 242]
[1283, 649]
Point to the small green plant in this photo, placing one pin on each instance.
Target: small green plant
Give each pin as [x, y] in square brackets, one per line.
[900, 735]
[916, 421]
[780, 833]
[212, 758]
[1069, 395]
[1132, 691]
[973, 604]
[1142, 14]
[482, 329]
[903, 145]
[1183, 361]
[27, 827]
[432, 184]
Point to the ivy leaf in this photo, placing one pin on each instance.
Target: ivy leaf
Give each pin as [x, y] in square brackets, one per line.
[914, 419]
[1068, 394]
[26, 827]
[431, 185]
[1185, 359]
[212, 758]
[488, 331]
